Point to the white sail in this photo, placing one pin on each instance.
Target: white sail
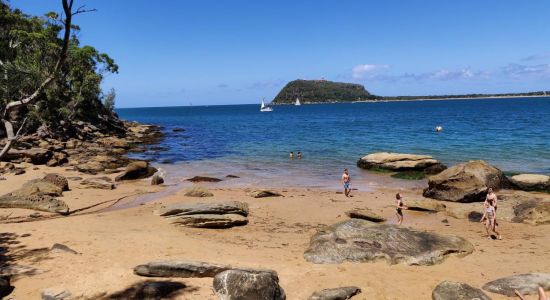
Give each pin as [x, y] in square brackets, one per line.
[263, 105]
[297, 102]
[265, 108]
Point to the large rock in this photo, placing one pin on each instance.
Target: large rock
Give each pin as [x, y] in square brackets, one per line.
[198, 191]
[448, 290]
[531, 182]
[397, 161]
[5, 286]
[427, 205]
[227, 207]
[365, 214]
[58, 180]
[37, 156]
[210, 221]
[341, 293]
[242, 285]
[187, 269]
[264, 194]
[532, 211]
[137, 170]
[362, 241]
[527, 284]
[103, 183]
[466, 182]
[36, 194]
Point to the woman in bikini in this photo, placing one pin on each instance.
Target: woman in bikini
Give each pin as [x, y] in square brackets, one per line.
[399, 207]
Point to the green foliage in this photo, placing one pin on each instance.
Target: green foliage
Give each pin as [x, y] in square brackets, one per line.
[320, 91]
[109, 101]
[29, 50]
[380, 170]
[409, 175]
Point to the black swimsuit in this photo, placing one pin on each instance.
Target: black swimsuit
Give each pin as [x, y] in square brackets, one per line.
[398, 209]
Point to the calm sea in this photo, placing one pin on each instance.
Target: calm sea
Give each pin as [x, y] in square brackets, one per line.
[512, 134]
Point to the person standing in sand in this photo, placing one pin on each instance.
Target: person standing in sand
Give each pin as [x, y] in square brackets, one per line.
[399, 207]
[489, 216]
[346, 179]
[492, 199]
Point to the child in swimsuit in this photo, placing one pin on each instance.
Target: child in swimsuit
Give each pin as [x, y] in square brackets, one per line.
[489, 216]
[399, 208]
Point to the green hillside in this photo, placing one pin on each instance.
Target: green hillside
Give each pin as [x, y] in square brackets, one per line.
[322, 91]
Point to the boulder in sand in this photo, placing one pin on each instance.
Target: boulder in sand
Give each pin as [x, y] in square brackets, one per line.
[531, 182]
[527, 284]
[198, 191]
[210, 221]
[264, 194]
[533, 211]
[136, 170]
[103, 183]
[37, 156]
[427, 205]
[36, 194]
[227, 207]
[157, 179]
[365, 214]
[362, 241]
[242, 285]
[58, 180]
[448, 290]
[397, 161]
[187, 269]
[466, 182]
[341, 293]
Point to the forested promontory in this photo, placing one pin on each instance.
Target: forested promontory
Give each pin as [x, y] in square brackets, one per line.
[322, 91]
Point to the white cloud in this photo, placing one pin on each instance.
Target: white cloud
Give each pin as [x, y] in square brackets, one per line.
[362, 71]
[519, 71]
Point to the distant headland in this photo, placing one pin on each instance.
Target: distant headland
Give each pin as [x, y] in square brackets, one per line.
[324, 91]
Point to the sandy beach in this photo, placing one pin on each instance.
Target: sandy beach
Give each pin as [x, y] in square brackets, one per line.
[112, 240]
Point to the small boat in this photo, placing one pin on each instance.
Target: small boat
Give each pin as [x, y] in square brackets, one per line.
[297, 103]
[265, 108]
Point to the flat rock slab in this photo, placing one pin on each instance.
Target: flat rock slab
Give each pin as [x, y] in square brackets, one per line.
[427, 205]
[527, 284]
[531, 182]
[203, 179]
[227, 207]
[341, 293]
[210, 221]
[396, 161]
[365, 214]
[448, 290]
[188, 269]
[362, 241]
[103, 183]
[264, 194]
[242, 285]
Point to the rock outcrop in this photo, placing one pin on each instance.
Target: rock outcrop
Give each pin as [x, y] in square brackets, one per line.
[103, 183]
[466, 182]
[362, 241]
[426, 205]
[188, 269]
[448, 290]
[137, 170]
[531, 182]
[198, 191]
[527, 284]
[58, 180]
[37, 156]
[365, 214]
[398, 162]
[207, 215]
[341, 293]
[38, 194]
[242, 285]
[264, 194]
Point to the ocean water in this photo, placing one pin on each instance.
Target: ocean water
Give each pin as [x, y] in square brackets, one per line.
[512, 134]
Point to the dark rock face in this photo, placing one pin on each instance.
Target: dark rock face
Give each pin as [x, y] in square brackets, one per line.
[36, 194]
[5, 286]
[58, 180]
[362, 241]
[148, 290]
[187, 269]
[365, 214]
[466, 182]
[242, 285]
[527, 284]
[448, 290]
[341, 293]
[203, 179]
[137, 170]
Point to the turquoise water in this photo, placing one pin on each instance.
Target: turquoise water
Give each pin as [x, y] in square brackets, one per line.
[512, 134]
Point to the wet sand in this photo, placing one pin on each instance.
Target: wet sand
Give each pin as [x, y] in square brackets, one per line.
[112, 242]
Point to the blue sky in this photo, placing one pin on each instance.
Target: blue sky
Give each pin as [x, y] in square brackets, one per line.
[227, 52]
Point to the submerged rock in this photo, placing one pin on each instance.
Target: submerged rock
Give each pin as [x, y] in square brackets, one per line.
[187, 269]
[362, 241]
[466, 182]
[203, 179]
[526, 284]
[448, 290]
[398, 162]
[242, 285]
[531, 182]
[341, 293]
[365, 214]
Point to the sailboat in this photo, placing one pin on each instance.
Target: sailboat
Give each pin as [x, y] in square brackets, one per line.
[265, 108]
[297, 103]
